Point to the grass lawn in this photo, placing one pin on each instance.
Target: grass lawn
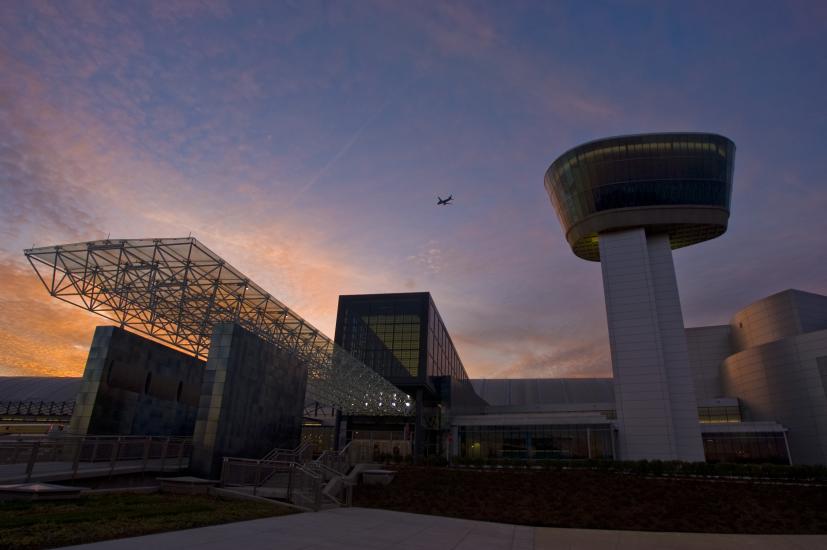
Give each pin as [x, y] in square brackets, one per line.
[102, 517]
[602, 500]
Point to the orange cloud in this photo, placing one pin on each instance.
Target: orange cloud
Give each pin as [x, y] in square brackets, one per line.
[39, 335]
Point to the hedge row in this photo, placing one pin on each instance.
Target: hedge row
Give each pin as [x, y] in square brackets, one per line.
[660, 467]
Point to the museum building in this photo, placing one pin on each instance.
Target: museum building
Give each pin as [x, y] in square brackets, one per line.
[201, 351]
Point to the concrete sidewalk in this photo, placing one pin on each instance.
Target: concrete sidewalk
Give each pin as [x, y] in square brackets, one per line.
[363, 528]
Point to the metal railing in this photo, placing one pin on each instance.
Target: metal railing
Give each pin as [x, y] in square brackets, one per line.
[300, 454]
[68, 456]
[338, 489]
[305, 487]
[289, 474]
[288, 481]
[336, 460]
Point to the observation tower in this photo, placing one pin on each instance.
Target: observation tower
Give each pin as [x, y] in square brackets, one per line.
[627, 202]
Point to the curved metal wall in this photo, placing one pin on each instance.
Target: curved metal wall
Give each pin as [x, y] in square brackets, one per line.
[785, 381]
[781, 315]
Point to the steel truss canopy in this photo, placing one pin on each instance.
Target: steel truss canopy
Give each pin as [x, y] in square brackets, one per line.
[177, 290]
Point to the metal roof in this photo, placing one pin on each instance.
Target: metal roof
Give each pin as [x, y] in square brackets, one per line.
[38, 388]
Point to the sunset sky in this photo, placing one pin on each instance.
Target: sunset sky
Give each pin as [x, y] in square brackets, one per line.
[307, 142]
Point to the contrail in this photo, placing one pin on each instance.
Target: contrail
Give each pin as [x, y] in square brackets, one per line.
[342, 151]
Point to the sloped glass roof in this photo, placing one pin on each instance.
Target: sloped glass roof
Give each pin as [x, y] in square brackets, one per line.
[177, 290]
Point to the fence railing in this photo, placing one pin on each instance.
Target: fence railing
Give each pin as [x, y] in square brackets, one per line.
[336, 460]
[291, 475]
[37, 408]
[68, 456]
[293, 481]
[300, 454]
[305, 487]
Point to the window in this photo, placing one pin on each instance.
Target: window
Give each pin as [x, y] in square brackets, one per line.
[544, 442]
[385, 335]
[713, 415]
[749, 447]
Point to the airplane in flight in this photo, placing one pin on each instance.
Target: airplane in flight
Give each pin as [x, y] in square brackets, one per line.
[444, 202]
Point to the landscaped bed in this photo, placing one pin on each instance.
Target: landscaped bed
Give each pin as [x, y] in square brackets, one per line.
[602, 500]
[103, 517]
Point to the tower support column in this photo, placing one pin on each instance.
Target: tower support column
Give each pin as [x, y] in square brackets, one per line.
[654, 392]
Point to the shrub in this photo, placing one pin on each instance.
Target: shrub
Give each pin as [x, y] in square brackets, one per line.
[653, 467]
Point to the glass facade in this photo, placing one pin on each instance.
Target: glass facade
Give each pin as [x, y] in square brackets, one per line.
[400, 336]
[755, 447]
[443, 359]
[679, 169]
[630, 171]
[542, 442]
[717, 415]
[320, 437]
[706, 415]
[403, 338]
[385, 333]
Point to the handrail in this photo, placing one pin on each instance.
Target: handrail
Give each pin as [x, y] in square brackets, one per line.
[296, 489]
[256, 460]
[303, 481]
[324, 469]
[302, 485]
[297, 452]
[336, 459]
[68, 455]
[64, 436]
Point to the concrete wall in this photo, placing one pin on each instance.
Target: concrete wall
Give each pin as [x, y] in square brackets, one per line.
[708, 347]
[252, 399]
[654, 391]
[781, 381]
[134, 386]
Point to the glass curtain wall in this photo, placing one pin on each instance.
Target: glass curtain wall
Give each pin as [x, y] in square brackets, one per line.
[443, 359]
[536, 442]
[715, 415]
[755, 447]
[384, 334]
[632, 171]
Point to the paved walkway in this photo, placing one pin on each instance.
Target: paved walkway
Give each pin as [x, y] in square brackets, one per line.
[363, 528]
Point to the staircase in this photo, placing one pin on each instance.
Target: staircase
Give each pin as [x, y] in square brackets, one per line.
[290, 475]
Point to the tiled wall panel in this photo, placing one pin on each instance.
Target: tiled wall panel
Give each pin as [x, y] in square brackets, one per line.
[134, 386]
[252, 399]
